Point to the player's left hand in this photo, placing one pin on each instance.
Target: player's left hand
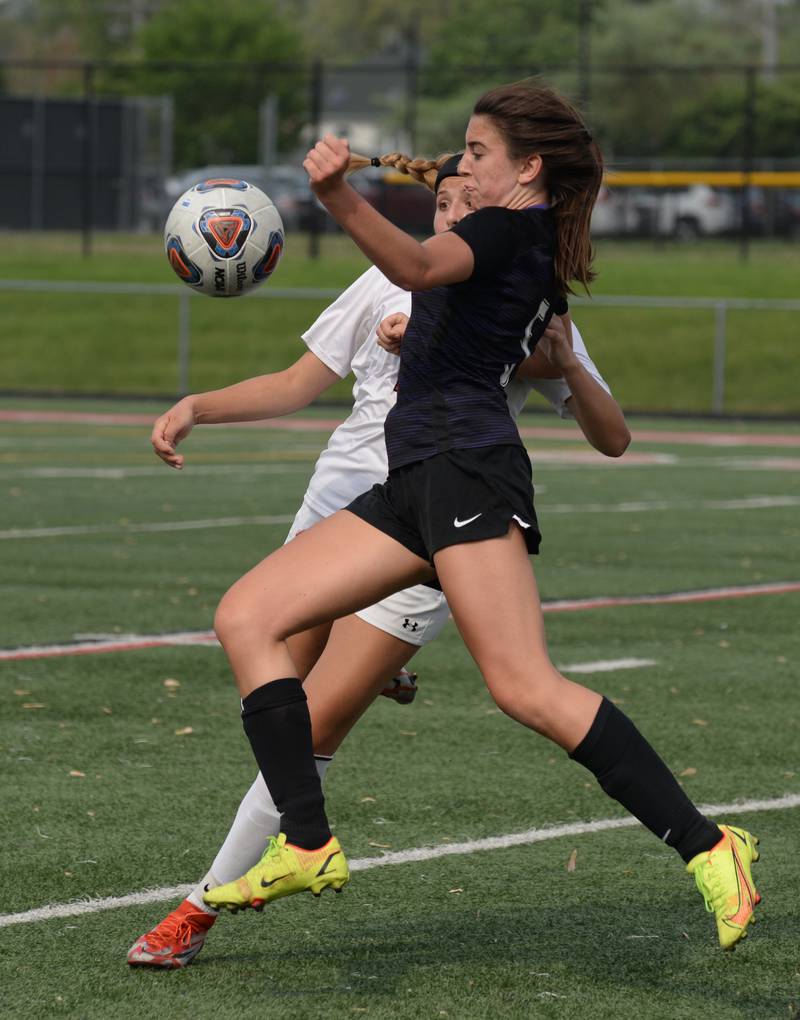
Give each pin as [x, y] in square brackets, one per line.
[391, 331]
[556, 343]
[326, 164]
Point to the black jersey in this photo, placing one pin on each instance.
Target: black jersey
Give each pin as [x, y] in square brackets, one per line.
[464, 341]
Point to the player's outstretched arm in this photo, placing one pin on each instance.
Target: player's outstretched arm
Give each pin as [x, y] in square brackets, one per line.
[599, 416]
[264, 396]
[443, 259]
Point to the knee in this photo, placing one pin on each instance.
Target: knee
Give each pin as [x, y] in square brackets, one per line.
[529, 699]
[236, 620]
[226, 619]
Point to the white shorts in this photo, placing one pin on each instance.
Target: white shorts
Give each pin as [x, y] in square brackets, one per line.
[415, 615]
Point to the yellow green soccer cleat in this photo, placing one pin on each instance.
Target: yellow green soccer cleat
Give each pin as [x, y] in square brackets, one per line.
[723, 877]
[283, 870]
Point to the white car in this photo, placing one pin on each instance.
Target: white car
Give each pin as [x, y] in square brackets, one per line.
[614, 213]
[696, 211]
[686, 213]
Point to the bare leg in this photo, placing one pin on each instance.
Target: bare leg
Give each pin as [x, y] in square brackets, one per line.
[306, 647]
[493, 597]
[494, 601]
[355, 666]
[358, 661]
[340, 565]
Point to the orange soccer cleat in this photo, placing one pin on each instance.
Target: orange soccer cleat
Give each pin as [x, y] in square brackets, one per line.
[175, 941]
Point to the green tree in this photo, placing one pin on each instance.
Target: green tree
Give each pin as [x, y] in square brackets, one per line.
[716, 127]
[640, 108]
[216, 107]
[103, 29]
[351, 30]
[637, 108]
[520, 35]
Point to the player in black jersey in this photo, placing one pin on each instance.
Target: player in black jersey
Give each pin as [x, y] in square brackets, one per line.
[458, 503]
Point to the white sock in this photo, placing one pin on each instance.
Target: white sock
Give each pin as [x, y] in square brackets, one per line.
[256, 820]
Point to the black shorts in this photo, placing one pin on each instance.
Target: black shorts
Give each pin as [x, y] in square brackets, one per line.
[454, 497]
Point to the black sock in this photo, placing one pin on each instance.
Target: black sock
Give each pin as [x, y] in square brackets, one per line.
[631, 772]
[278, 725]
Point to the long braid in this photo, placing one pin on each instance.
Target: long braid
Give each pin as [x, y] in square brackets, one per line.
[423, 171]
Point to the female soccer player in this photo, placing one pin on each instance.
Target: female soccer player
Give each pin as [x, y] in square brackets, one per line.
[375, 642]
[457, 505]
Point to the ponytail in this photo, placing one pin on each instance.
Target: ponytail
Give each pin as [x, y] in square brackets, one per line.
[424, 171]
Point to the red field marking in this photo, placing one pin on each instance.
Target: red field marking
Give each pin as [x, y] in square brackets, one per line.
[632, 458]
[129, 644]
[695, 438]
[769, 464]
[206, 637]
[716, 438]
[100, 418]
[704, 595]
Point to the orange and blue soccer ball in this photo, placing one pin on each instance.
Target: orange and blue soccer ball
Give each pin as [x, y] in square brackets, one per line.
[223, 237]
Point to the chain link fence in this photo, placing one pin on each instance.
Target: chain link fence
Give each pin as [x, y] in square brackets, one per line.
[105, 145]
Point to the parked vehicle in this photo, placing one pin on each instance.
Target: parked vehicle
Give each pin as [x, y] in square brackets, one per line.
[287, 186]
[688, 213]
[403, 201]
[771, 212]
[614, 213]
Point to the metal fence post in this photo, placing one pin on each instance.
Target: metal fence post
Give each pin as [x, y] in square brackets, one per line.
[749, 124]
[412, 82]
[184, 342]
[87, 160]
[317, 223]
[585, 54]
[718, 369]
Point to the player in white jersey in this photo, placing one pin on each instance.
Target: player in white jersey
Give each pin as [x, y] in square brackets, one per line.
[355, 456]
[379, 640]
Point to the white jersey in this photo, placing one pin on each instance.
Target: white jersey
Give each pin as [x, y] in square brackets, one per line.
[343, 338]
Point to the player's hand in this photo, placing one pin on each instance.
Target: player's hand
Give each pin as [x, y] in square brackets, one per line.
[556, 343]
[391, 331]
[169, 430]
[326, 164]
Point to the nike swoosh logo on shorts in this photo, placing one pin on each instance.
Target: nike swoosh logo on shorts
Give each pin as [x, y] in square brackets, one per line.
[460, 524]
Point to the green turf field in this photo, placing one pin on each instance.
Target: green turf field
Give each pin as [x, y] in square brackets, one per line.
[656, 359]
[91, 545]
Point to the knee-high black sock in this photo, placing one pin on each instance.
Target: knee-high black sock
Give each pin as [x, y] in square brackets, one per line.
[278, 725]
[631, 772]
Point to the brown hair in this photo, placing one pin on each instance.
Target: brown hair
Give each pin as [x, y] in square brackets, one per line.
[535, 119]
[422, 170]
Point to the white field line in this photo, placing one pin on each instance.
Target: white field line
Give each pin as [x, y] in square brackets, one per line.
[100, 529]
[641, 506]
[607, 665]
[413, 856]
[132, 642]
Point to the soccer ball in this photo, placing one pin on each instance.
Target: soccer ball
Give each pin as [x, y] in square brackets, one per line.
[223, 237]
